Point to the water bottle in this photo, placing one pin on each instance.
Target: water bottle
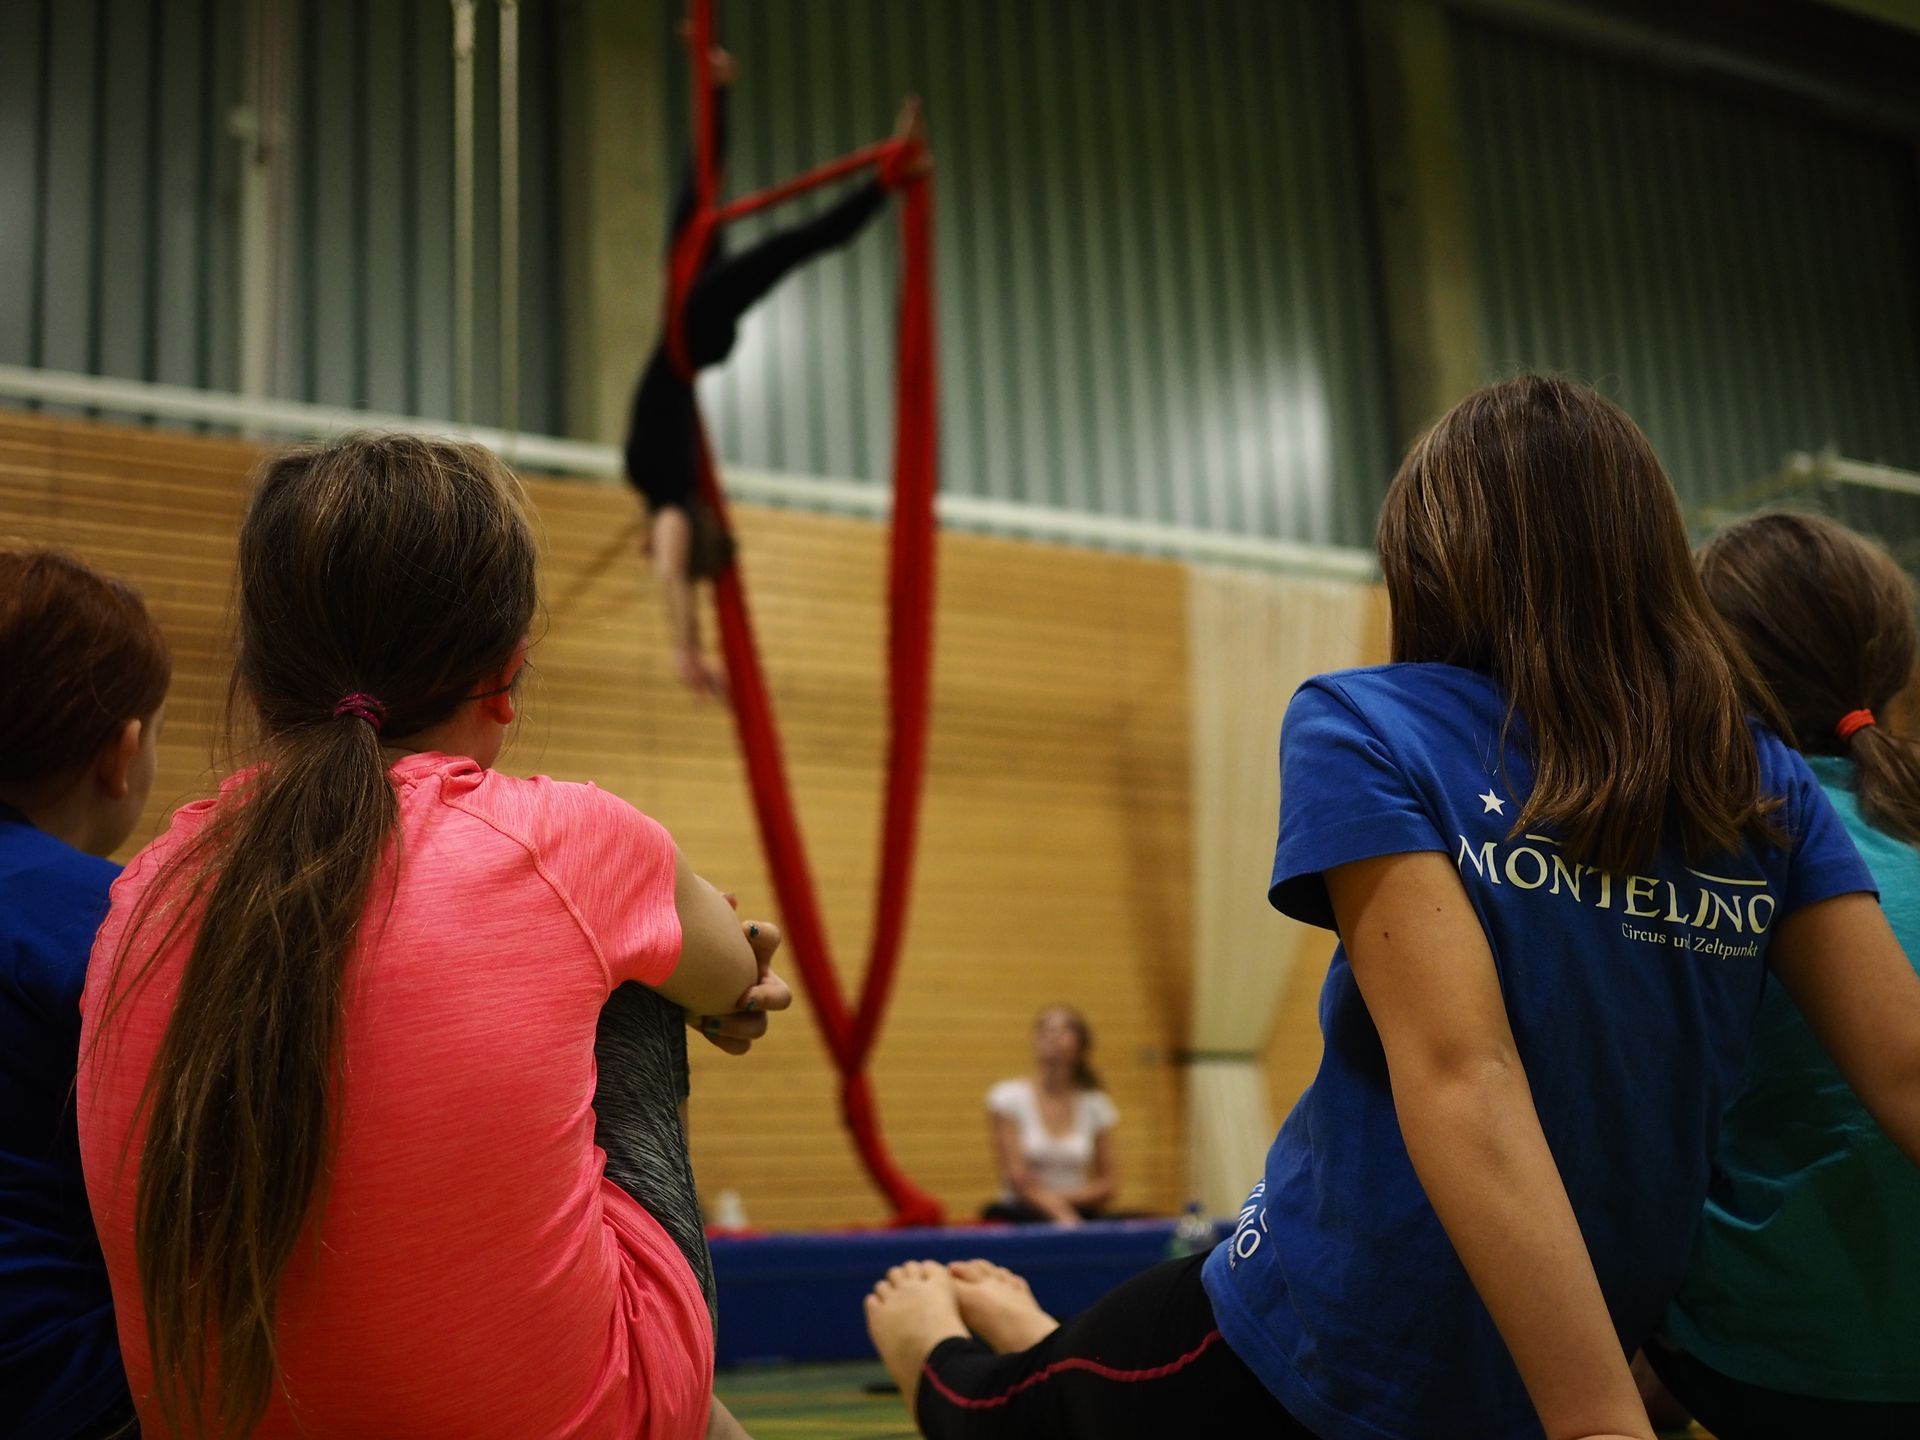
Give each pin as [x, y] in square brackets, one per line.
[729, 1213]
[1193, 1235]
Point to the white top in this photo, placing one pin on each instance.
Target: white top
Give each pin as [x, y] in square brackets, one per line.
[1059, 1162]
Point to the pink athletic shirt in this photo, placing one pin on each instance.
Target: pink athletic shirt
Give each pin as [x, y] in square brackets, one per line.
[476, 1274]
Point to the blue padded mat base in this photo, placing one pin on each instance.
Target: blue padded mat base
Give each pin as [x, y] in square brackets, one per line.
[797, 1297]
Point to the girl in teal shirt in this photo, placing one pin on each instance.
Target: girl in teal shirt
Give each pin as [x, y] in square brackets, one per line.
[1800, 1313]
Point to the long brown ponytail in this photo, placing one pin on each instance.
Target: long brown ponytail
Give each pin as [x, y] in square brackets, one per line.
[1828, 619]
[393, 567]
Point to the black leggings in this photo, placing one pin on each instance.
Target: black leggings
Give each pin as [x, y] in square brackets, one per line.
[662, 450]
[1145, 1361]
[727, 286]
[641, 1052]
[1735, 1410]
[731, 285]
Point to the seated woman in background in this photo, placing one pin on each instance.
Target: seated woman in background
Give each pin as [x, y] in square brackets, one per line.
[1053, 1131]
[1800, 1313]
[382, 1048]
[86, 676]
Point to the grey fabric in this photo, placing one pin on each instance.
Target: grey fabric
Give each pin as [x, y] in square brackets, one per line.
[641, 1050]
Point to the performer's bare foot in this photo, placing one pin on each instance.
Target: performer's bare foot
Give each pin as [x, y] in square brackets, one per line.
[909, 1312]
[910, 143]
[999, 1307]
[721, 65]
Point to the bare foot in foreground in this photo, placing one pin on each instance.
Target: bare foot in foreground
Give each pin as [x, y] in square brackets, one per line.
[909, 1312]
[999, 1307]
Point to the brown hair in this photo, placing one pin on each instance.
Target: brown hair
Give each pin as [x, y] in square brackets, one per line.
[391, 566]
[1827, 618]
[82, 657]
[1085, 1077]
[1532, 534]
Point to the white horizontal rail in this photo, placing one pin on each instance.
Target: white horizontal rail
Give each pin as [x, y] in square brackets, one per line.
[1829, 468]
[602, 463]
[291, 417]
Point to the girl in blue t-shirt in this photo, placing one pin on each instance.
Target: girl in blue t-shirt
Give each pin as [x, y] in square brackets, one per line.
[1561, 861]
[1800, 1313]
[86, 672]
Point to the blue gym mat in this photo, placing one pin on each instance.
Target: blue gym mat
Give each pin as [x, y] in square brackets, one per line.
[787, 1298]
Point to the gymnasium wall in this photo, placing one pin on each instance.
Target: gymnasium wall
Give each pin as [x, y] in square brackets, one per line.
[122, 150]
[1156, 276]
[1158, 234]
[1056, 831]
[1741, 271]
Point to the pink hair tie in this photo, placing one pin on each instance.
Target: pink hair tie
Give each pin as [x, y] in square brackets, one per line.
[1852, 721]
[362, 707]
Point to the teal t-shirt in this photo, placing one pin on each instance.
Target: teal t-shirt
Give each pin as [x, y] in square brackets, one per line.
[1805, 1275]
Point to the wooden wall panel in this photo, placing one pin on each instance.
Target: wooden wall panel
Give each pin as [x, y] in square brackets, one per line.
[1054, 855]
[1293, 1052]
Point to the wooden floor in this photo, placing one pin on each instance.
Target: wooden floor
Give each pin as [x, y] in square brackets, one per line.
[814, 1402]
[837, 1402]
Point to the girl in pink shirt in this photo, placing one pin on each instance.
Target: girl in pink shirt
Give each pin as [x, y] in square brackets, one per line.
[379, 1138]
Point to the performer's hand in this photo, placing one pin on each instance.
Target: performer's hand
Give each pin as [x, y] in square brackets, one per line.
[736, 1033]
[720, 63]
[704, 677]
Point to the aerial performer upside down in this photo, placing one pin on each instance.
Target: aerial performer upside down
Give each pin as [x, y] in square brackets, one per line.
[671, 462]
[684, 538]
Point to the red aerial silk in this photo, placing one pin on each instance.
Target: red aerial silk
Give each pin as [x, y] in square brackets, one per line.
[849, 1035]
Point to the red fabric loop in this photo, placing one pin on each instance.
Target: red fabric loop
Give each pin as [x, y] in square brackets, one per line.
[850, 1035]
[1853, 721]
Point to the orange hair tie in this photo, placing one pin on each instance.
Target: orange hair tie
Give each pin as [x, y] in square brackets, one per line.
[1852, 721]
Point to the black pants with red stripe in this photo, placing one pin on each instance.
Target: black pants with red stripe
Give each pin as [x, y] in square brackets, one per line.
[1146, 1361]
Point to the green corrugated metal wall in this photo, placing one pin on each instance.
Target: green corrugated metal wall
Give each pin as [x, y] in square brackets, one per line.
[1157, 283]
[119, 196]
[1156, 277]
[1743, 275]
[373, 233]
[117, 188]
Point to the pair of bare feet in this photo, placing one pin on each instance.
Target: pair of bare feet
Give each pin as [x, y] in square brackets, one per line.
[909, 127]
[923, 1302]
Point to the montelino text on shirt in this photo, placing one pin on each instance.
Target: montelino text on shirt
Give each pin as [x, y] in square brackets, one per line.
[1709, 907]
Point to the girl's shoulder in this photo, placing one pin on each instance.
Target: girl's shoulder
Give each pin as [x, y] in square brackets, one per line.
[183, 827]
[1404, 683]
[1100, 1111]
[537, 809]
[1787, 775]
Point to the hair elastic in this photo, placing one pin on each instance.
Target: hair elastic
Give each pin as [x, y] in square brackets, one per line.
[1851, 721]
[362, 707]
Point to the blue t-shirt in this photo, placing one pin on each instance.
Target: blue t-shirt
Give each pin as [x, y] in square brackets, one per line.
[1805, 1275]
[60, 1368]
[1631, 997]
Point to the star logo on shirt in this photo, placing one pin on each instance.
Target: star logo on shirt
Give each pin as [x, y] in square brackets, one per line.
[1491, 803]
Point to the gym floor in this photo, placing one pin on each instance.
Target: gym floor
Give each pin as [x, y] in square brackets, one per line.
[814, 1402]
[832, 1402]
